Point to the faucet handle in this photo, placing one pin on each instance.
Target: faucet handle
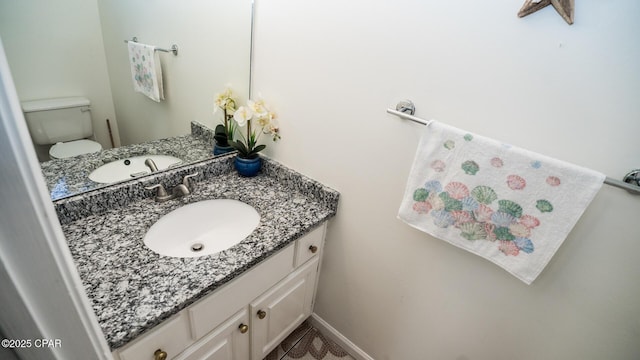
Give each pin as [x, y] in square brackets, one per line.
[185, 179]
[161, 191]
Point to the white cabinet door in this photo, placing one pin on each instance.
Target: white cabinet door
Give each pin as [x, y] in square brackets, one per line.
[275, 314]
[229, 341]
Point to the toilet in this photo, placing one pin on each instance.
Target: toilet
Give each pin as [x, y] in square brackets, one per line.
[64, 123]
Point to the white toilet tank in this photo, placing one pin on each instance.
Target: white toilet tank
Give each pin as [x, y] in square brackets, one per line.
[58, 120]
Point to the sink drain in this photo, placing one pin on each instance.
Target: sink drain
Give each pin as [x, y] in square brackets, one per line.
[197, 247]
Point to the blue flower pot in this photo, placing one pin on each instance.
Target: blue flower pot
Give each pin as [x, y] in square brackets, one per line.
[219, 150]
[248, 167]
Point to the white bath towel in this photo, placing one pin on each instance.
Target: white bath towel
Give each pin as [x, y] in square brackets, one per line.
[509, 205]
[145, 70]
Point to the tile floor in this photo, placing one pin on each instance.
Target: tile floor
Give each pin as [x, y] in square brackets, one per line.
[307, 343]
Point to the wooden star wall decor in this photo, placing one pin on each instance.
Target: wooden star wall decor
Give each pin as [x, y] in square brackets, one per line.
[563, 7]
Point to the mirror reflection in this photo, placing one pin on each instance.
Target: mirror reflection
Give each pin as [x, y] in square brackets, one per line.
[77, 50]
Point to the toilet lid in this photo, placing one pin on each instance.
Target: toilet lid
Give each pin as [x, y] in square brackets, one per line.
[74, 148]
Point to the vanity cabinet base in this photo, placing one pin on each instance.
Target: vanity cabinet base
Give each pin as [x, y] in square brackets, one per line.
[244, 319]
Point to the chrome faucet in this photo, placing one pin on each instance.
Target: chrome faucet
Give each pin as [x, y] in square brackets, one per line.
[178, 191]
[151, 165]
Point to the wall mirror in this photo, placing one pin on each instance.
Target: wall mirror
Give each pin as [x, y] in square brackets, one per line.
[77, 48]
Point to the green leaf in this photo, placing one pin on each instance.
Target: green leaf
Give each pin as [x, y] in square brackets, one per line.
[254, 152]
[221, 140]
[242, 149]
[231, 129]
[221, 136]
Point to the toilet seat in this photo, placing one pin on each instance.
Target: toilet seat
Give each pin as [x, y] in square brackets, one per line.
[73, 148]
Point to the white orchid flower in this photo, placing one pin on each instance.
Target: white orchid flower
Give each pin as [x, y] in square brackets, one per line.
[224, 100]
[258, 107]
[273, 130]
[230, 105]
[242, 115]
[219, 101]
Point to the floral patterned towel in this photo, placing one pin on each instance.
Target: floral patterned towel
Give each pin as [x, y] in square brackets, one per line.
[146, 71]
[509, 205]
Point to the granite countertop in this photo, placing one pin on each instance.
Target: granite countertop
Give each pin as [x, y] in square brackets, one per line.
[132, 289]
[67, 177]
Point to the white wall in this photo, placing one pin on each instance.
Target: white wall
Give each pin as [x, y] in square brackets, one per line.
[42, 296]
[331, 68]
[214, 40]
[55, 49]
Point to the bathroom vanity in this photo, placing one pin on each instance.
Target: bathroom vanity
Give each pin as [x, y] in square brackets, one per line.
[244, 319]
[239, 303]
[71, 176]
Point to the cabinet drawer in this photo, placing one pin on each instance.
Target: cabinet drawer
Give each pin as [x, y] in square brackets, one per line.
[211, 311]
[172, 336]
[309, 245]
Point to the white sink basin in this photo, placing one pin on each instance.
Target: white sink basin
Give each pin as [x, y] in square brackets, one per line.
[202, 228]
[125, 169]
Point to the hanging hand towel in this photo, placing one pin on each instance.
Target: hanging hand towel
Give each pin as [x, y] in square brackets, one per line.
[145, 70]
[509, 205]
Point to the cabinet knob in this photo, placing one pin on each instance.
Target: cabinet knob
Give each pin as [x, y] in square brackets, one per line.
[262, 314]
[243, 328]
[313, 248]
[159, 355]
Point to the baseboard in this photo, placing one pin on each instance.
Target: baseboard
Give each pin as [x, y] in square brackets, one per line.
[333, 334]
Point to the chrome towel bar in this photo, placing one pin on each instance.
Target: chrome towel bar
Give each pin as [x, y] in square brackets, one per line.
[405, 109]
[173, 49]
